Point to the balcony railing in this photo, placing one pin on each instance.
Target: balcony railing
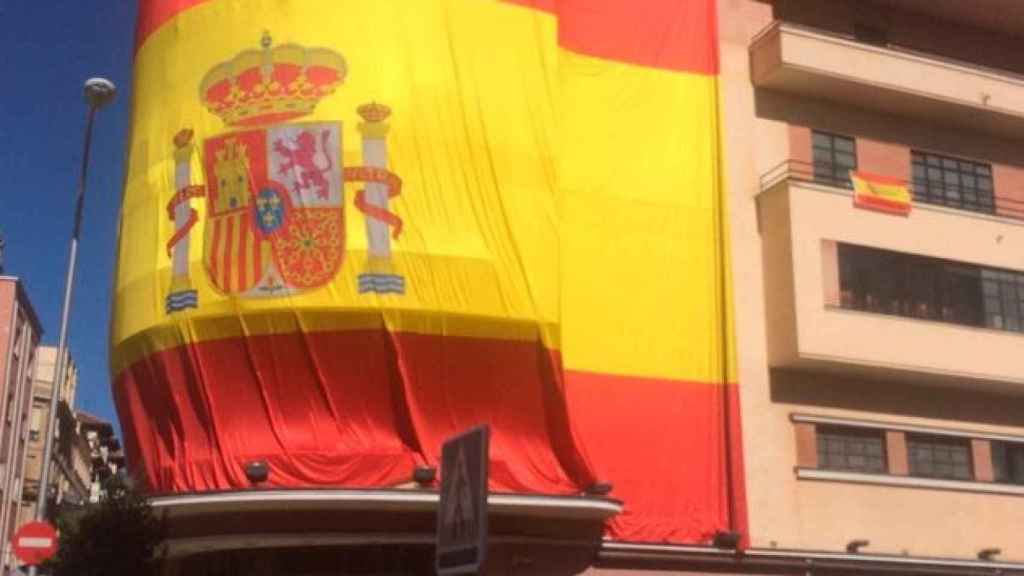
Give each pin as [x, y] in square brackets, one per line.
[955, 197]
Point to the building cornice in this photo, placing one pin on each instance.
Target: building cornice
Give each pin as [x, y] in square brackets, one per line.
[787, 561]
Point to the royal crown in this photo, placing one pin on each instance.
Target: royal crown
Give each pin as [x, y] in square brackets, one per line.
[271, 85]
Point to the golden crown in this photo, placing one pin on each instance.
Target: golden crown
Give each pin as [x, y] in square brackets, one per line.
[271, 85]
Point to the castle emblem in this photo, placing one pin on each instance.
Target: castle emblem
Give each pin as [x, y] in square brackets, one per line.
[275, 189]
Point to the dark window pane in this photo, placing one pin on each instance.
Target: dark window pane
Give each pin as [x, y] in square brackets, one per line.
[919, 287]
[834, 157]
[939, 457]
[846, 159]
[851, 449]
[953, 182]
[843, 144]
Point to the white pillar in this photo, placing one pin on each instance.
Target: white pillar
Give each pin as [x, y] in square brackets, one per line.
[380, 275]
[181, 294]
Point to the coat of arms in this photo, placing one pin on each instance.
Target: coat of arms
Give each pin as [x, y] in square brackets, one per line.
[275, 189]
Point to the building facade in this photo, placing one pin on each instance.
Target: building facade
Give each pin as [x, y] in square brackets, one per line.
[879, 353]
[103, 450]
[20, 332]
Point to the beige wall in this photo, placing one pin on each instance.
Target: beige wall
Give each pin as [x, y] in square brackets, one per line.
[929, 35]
[781, 272]
[801, 217]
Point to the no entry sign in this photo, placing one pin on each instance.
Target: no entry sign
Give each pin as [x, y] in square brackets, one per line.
[35, 542]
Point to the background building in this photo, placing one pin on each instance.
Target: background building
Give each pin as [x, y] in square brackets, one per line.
[70, 471]
[86, 453]
[19, 335]
[104, 452]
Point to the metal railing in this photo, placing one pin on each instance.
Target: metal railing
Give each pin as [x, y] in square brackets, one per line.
[934, 193]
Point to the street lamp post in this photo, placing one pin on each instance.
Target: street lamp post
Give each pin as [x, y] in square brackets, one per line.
[98, 93]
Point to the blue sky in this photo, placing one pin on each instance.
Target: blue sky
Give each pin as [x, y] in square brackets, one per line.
[48, 50]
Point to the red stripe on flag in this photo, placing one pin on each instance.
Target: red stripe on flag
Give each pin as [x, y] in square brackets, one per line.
[361, 408]
[154, 13]
[670, 34]
[882, 204]
[354, 408]
[677, 35]
[672, 450]
[879, 178]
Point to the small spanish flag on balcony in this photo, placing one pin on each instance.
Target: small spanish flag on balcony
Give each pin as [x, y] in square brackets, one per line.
[881, 193]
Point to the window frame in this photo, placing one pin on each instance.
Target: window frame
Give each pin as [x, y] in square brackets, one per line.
[827, 436]
[937, 444]
[1005, 468]
[933, 175]
[912, 286]
[832, 171]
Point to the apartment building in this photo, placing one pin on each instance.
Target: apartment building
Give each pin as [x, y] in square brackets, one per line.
[19, 336]
[104, 450]
[70, 467]
[880, 354]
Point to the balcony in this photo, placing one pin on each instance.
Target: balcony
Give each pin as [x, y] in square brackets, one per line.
[795, 59]
[811, 325]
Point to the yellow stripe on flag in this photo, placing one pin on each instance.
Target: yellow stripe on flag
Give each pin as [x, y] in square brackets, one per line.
[642, 267]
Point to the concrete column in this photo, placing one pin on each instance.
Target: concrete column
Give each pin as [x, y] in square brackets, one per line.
[981, 454]
[896, 452]
[806, 445]
[830, 273]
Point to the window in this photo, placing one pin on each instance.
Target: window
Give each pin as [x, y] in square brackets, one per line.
[851, 449]
[939, 457]
[906, 285]
[834, 157]
[1008, 462]
[918, 287]
[37, 422]
[952, 182]
[1004, 299]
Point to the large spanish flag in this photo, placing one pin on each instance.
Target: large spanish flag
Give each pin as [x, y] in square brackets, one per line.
[351, 229]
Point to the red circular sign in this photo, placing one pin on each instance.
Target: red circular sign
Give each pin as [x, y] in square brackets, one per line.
[35, 542]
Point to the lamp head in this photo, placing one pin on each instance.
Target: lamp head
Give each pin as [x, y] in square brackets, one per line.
[99, 92]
